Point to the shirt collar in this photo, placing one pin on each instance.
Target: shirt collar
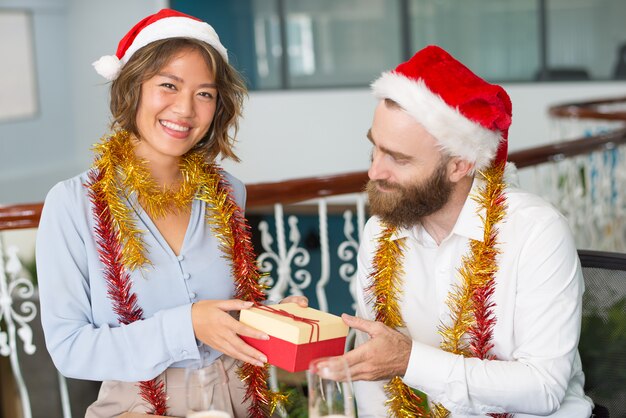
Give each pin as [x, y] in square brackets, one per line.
[469, 224]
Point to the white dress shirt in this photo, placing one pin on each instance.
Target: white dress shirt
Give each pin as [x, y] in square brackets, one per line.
[538, 301]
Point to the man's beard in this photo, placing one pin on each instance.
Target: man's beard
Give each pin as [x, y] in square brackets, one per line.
[405, 206]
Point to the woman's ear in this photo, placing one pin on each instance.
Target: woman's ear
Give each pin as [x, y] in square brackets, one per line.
[459, 169]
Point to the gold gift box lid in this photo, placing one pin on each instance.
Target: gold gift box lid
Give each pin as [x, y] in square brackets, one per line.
[283, 327]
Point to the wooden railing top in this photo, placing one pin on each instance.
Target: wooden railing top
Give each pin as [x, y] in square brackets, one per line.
[591, 109]
[298, 190]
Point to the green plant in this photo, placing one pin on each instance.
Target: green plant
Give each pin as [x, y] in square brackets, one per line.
[602, 349]
[297, 406]
[31, 267]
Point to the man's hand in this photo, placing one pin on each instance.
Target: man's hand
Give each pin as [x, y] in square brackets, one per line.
[384, 356]
[303, 301]
[215, 327]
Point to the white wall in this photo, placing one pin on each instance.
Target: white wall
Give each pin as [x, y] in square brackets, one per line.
[39, 147]
[283, 135]
[73, 111]
[309, 133]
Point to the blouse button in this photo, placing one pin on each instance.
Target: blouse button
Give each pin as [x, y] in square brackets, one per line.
[186, 276]
[192, 295]
[181, 257]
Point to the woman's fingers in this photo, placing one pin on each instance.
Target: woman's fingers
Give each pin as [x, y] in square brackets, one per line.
[248, 331]
[237, 348]
[233, 304]
[214, 326]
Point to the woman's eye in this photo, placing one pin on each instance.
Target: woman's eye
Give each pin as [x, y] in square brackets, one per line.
[168, 86]
[206, 94]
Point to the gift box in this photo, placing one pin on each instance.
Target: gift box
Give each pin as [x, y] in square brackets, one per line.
[297, 335]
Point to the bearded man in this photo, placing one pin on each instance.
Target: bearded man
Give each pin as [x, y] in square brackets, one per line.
[469, 289]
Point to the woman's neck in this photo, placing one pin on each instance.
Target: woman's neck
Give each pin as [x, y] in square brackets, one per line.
[164, 169]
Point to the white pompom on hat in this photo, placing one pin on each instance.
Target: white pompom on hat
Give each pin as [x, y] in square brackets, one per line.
[467, 115]
[165, 24]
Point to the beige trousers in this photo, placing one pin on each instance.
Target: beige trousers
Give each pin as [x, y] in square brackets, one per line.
[115, 397]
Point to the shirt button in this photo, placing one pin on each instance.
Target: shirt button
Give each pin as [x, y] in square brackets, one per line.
[186, 276]
[192, 295]
[181, 257]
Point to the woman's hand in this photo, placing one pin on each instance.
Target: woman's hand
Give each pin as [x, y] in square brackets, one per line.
[300, 300]
[215, 327]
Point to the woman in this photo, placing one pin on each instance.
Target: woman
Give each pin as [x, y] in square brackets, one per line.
[143, 258]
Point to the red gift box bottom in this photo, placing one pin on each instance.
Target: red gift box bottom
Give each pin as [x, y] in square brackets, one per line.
[296, 357]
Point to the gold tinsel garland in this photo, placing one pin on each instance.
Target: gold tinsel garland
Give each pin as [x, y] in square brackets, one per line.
[121, 174]
[477, 275]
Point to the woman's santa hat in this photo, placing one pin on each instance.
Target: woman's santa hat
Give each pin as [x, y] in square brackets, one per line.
[165, 24]
[468, 116]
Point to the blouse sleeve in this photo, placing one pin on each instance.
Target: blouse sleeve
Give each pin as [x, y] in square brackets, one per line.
[79, 349]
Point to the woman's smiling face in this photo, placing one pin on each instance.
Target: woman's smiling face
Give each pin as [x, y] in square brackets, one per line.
[176, 107]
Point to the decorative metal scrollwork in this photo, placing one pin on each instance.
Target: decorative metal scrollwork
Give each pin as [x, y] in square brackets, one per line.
[283, 258]
[17, 310]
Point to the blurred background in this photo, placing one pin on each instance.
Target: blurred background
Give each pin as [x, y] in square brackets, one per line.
[308, 65]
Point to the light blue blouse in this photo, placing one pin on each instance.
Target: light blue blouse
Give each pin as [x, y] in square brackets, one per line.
[82, 332]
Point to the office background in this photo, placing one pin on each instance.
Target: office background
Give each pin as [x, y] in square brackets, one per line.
[307, 112]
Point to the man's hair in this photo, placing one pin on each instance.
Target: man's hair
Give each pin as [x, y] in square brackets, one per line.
[149, 60]
[392, 104]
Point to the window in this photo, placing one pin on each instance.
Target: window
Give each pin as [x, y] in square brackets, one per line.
[586, 36]
[497, 39]
[17, 72]
[341, 43]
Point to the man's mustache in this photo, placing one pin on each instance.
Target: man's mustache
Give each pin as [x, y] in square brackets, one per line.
[385, 184]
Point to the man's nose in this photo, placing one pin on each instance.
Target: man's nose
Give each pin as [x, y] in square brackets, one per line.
[377, 170]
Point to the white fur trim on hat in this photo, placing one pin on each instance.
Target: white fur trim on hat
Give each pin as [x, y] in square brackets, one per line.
[176, 27]
[456, 134]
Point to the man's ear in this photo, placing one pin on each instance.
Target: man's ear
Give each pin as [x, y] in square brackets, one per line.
[459, 169]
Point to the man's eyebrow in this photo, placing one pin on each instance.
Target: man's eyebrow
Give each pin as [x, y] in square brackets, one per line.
[395, 154]
[180, 80]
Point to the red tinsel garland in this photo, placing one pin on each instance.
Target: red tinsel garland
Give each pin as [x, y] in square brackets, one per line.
[247, 287]
[119, 284]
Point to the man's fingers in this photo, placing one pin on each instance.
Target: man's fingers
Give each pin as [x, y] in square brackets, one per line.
[355, 356]
[370, 327]
[334, 368]
[302, 301]
[360, 371]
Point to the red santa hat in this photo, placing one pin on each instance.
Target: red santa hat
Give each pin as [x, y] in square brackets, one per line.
[468, 116]
[165, 24]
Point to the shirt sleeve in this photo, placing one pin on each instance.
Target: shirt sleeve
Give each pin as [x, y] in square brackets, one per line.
[547, 319]
[79, 349]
